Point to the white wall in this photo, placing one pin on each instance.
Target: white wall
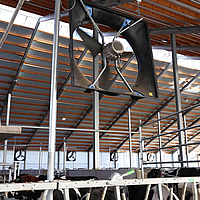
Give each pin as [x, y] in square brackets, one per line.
[32, 160]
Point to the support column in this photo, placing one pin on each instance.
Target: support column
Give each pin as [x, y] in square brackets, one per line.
[186, 147]
[95, 111]
[40, 156]
[7, 123]
[130, 141]
[53, 101]
[141, 151]
[160, 141]
[88, 159]
[58, 160]
[177, 97]
[64, 155]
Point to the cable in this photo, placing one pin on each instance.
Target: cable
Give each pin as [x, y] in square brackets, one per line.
[68, 8]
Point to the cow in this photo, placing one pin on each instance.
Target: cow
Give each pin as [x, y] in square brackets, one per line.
[178, 188]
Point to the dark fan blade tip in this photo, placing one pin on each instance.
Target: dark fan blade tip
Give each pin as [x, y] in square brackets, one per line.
[92, 44]
[106, 78]
[127, 54]
[134, 95]
[100, 90]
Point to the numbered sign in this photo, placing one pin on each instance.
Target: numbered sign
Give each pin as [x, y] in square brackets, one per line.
[20, 155]
[71, 155]
[113, 156]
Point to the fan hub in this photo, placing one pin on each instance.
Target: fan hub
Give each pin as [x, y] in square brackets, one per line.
[113, 50]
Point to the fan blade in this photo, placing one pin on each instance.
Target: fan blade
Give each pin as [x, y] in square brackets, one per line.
[127, 54]
[91, 43]
[106, 77]
[79, 78]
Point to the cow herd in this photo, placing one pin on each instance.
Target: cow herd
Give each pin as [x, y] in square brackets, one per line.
[133, 192]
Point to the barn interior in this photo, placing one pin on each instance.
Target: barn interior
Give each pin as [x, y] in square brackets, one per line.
[49, 116]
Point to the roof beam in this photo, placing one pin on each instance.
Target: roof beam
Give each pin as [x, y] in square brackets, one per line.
[175, 30]
[181, 48]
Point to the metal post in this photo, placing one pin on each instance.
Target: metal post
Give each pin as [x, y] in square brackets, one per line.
[177, 96]
[160, 191]
[117, 193]
[184, 191]
[18, 169]
[115, 163]
[147, 192]
[53, 101]
[59, 161]
[88, 157]
[141, 151]
[7, 123]
[10, 174]
[40, 157]
[195, 197]
[160, 142]
[25, 162]
[64, 155]
[104, 193]
[186, 147]
[95, 111]
[15, 171]
[172, 160]
[130, 142]
[66, 194]
[171, 194]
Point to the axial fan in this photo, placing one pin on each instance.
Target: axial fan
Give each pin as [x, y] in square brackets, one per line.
[134, 30]
[20, 155]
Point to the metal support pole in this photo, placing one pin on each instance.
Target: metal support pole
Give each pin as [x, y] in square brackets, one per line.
[53, 101]
[160, 191]
[147, 192]
[172, 160]
[10, 174]
[40, 157]
[104, 193]
[88, 159]
[171, 194]
[160, 141]
[18, 169]
[130, 141]
[195, 197]
[64, 155]
[7, 123]
[186, 147]
[18, 7]
[25, 162]
[66, 192]
[59, 161]
[15, 171]
[115, 163]
[117, 193]
[141, 151]
[177, 97]
[184, 191]
[95, 111]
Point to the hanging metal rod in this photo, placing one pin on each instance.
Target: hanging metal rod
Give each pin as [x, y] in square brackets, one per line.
[19, 5]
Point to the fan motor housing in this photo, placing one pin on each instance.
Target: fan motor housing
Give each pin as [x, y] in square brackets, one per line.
[113, 50]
